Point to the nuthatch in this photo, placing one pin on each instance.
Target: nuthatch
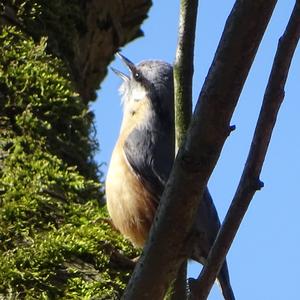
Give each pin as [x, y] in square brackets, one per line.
[143, 157]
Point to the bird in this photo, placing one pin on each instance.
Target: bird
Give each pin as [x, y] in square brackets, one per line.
[143, 157]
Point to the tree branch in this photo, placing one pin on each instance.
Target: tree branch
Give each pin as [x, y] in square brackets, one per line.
[168, 243]
[178, 289]
[249, 181]
[184, 68]
[183, 82]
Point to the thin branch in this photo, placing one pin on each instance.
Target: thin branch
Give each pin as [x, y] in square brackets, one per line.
[169, 241]
[250, 182]
[183, 82]
[178, 289]
[55, 194]
[184, 68]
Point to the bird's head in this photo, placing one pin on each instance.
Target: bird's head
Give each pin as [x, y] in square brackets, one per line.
[149, 81]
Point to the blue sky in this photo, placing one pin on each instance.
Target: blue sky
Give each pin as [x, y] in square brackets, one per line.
[264, 258]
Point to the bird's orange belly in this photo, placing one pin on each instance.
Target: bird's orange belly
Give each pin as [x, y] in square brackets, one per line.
[129, 204]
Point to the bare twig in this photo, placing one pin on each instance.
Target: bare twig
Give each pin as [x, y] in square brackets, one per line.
[167, 247]
[121, 260]
[183, 81]
[178, 290]
[55, 194]
[250, 182]
[184, 68]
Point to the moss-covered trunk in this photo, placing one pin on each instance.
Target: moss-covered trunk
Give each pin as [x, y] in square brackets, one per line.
[55, 239]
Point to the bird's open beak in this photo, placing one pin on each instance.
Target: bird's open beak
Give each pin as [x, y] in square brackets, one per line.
[129, 64]
[120, 74]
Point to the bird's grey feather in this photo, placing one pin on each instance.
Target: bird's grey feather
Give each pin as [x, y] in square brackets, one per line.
[151, 153]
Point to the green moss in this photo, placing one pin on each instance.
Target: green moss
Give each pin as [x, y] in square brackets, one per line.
[71, 262]
[39, 100]
[63, 20]
[55, 241]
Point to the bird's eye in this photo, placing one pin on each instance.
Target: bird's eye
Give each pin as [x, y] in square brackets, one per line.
[137, 76]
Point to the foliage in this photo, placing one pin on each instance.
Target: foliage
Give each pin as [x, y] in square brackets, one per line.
[55, 241]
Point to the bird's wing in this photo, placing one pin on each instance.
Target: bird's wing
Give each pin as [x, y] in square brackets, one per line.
[150, 155]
